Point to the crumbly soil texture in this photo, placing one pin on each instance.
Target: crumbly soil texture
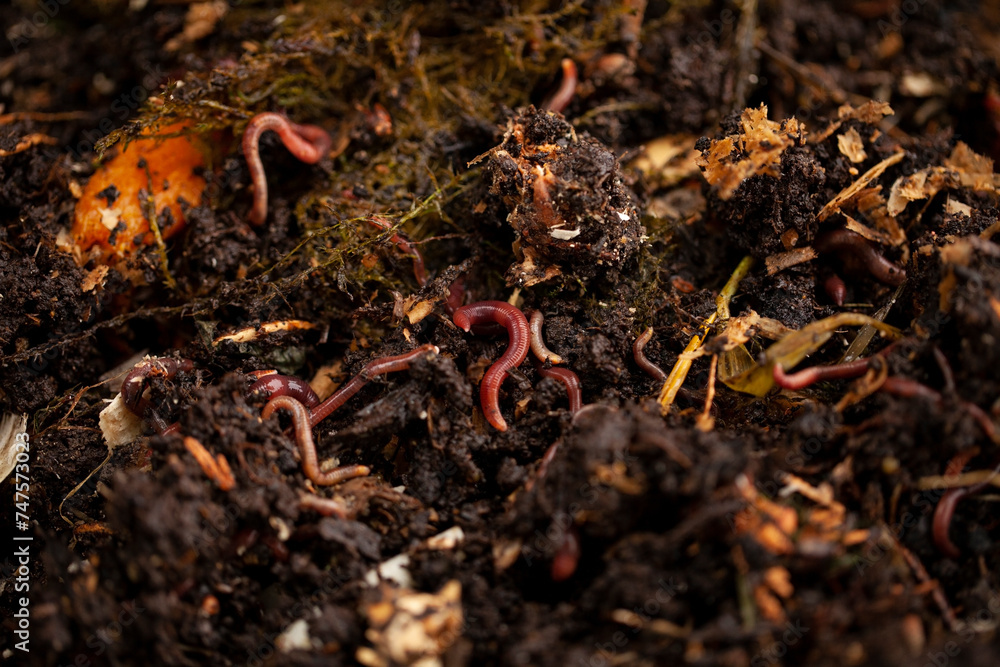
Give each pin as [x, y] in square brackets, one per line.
[746, 179]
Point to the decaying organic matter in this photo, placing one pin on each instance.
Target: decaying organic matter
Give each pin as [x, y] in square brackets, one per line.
[758, 247]
[567, 200]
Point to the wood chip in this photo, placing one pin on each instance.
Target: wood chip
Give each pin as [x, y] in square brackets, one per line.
[783, 260]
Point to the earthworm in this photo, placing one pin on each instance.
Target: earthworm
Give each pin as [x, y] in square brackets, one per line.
[851, 246]
[134, 385]
[400, 362]
[567, 88]
[135, 381]
[945, 509]
[307, 447]
[538, 347]
[419, 270]
[567, 556]
[907, 388]
[518, 336]
[324, 506]
[570, 380]
[456, 294]
[642, 362]
[270, 384]
[308, 143]
[815, 374]
[836, 288]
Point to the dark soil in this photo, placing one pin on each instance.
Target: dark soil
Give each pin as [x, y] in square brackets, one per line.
[622, 534]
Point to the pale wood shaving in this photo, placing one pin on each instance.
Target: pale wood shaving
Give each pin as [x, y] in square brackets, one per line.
[851, 191]
[783, 260]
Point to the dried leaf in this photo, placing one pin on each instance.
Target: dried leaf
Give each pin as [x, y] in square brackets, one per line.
[851, 145]
[854, 189]
[761, 144]
[795, 347]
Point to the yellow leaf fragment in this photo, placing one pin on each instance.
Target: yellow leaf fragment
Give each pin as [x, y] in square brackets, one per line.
[419, 311]
[760, 144]
[962, 169]
[871, 205]
[870, 113]
[796, 346]
[851, 145]
[94, 277]
[668, 160]
[252, 333]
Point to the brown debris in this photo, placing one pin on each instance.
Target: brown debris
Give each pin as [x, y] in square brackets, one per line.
[755, 150]
[567, 200]
[410, 628]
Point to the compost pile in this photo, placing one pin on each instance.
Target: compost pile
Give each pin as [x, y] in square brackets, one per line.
[792, 208]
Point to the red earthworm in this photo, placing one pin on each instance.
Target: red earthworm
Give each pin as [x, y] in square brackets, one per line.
[400, 362]
[538, 347]
[945, 509]
[518, 336]
[307, 447]
[547, 457]
[543, 465]
[567, 88]
[273, 384]
[642, 362]
[135, 381]
[324, 506]
[168, 430]
[946, 372]
[134, 385]
[308, 143]
[835, 288]
[851, 246]
[567, 556]
[419, 270]
[907, 388]
[456, 294]
[569, 380]
[815, 374]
